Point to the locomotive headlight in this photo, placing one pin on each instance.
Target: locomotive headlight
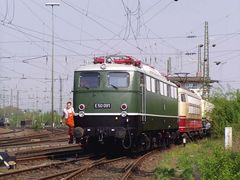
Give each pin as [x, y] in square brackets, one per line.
[81, 114]
[81, 107]
[123, 113]
[124, 107]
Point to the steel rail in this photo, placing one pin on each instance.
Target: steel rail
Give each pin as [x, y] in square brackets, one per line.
[133, 165]
[29, 137]
[17, 172]
[33, 142]
[47, 151]
[11, 132]
[97, 163]
[51, 156]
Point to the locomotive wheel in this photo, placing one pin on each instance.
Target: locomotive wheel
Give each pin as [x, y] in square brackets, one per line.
[145, 142]
[167, 140]
[148, 143]
[177, 138]
[161, 141]
[154, 142]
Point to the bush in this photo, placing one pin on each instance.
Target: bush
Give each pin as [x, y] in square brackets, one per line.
[206, 160]
[222, 165]
[226, 111]
[164, 173]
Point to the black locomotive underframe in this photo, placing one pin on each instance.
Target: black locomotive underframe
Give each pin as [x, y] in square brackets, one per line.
[116, 126]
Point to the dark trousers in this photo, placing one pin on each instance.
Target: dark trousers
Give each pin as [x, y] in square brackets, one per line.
[70, 133]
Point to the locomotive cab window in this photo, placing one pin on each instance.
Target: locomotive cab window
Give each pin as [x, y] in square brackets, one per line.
[161, 88]
[118, 79]
[168, 90]
[153, 85]
[148, 83]
[89, 80]
[165, 89]
[183, 98]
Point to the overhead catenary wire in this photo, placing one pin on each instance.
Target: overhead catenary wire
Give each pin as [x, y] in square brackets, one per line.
[20, 57]
[129, 26]
[36, 37]
[56, 35]
[125, 27]
[101, 25]
[35, 14]
[144, 39]
[42, 39]
[16, 28]
[76, 27]
[13, 12]
[224, 35]
[158, 12]
[6, 13]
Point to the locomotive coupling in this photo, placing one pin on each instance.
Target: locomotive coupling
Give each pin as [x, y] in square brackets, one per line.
[119, 132]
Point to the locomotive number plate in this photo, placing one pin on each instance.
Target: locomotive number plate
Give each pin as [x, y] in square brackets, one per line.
[102, 106]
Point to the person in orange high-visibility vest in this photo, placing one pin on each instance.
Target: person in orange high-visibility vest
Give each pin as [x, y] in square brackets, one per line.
[69, 120]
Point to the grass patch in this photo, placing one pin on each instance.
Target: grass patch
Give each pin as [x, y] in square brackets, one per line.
[205, 159]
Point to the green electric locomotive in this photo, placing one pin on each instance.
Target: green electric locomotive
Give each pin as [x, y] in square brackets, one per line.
[119, 100]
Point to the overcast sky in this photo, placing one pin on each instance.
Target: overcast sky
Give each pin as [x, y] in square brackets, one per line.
[149, 29]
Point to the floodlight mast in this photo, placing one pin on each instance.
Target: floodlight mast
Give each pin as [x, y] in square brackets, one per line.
[52, 86]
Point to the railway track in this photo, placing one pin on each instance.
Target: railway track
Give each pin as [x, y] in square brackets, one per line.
[11, 132]
[41, 170]
[118, 168]
[23, 136]
[126, 171]
[28, 142]
[130, 169]
[68, 169]
[47, 152]
[32, 140]
[102, 161]
[30, 133]
[14, 139]
[76, 168]
[79, 167]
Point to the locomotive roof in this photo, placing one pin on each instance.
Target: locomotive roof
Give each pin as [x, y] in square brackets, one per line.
[148, 70]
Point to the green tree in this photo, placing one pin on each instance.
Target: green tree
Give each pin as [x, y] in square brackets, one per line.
[226, 110]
